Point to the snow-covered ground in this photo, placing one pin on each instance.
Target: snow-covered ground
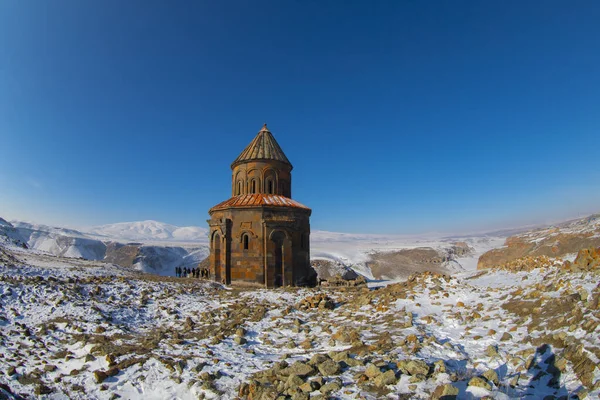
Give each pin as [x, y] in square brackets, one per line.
[80, 329]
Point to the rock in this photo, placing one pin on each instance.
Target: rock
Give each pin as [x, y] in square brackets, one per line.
[329, 367]
[417, 367]
[244, 389]
[491, 376]
[239, 340]
[320, 301]
[340, 356]
[309, 387]
[506, 336]
[11, 370]
[240, 332]
[300, 396]
[293, 382]
[372, 371]
[50, 368]
[492, 351]
[445, 392]
[346, 334]
[479, 382]
[89, 358]
[298, 368]
[439, 366]
[42, 389]
[100, 376]
[110, 360]
[317, 359]
[386, 378]
[331, 387]
[353, 362]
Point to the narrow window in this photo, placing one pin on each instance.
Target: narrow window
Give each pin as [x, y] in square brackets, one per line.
[246, 240]
[253, 186]
[239, 188]
[270, 186]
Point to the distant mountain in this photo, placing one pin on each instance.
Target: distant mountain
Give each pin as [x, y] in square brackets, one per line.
[150, 231]
[158, 247]
[49, 229]
[4, 222]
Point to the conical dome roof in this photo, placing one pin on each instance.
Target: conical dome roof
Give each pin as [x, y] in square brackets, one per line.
[263, 147]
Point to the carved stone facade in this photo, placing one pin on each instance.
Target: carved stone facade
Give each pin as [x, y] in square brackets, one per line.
[260, 235]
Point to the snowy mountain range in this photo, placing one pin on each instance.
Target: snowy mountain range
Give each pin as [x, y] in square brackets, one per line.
[150, 231]
[158, 247]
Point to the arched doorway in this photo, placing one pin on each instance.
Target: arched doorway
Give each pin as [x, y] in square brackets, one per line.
[278, 243]
[216, 243]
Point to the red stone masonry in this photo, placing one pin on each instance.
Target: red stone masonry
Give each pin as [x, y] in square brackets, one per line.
[260, 235]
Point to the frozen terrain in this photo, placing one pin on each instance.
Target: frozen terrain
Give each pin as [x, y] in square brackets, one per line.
[81, 329]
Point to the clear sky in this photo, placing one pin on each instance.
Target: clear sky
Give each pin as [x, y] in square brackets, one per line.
[398, 116]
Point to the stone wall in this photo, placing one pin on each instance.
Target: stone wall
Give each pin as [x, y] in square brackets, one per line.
[278, 238]
[262, 172]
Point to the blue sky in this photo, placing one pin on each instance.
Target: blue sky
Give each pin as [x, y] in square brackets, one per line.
[398, 116]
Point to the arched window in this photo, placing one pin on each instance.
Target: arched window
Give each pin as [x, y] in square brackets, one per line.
[245, 241]
[269, 186]
[239, 188]
[253, 190]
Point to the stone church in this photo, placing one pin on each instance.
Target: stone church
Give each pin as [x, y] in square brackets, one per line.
[260, 235]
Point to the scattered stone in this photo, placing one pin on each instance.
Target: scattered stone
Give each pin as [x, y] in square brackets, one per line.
[318, 359]
[386, 378]
[372, 371]
[445, 392]
[479, 382]
[492, 351]
[491, 376]
[298, 368]
[239, 340]
[331, 387]
[100, 376]
[329, 367]
[293, 382]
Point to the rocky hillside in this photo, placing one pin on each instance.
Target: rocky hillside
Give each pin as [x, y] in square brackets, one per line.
[87, 330]
[562, 240]
[399, 264]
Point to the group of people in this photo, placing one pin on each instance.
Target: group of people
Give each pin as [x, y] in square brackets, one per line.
[192, 273]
